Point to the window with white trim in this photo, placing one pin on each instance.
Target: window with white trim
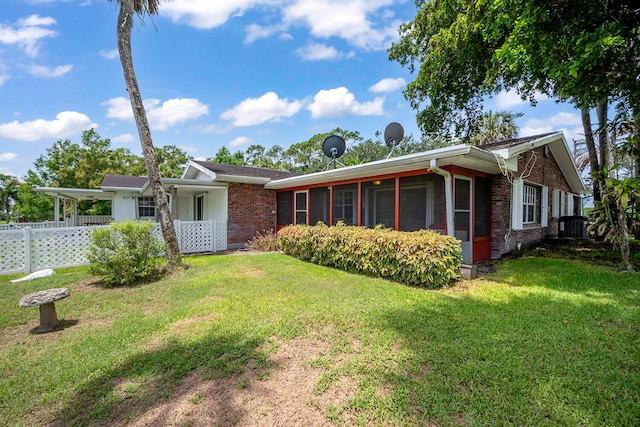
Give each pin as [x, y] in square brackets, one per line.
[146, 208]
[528, 204]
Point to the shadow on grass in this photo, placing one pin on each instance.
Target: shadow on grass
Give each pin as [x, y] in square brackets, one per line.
[513, 358]
[145, 381]
[61, 325]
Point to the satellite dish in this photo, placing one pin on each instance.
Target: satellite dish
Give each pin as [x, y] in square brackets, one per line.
[393, 134]
[333, 147]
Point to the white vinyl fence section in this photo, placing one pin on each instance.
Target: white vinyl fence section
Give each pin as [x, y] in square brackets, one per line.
[28, 250]
[32, 225]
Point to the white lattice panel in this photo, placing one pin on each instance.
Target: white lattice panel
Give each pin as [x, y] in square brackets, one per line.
[60, 247]
[12, 253]
[68, 246]
[196, 236]
[221, 236]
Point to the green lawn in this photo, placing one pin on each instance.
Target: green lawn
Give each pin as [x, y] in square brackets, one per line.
[541, 342]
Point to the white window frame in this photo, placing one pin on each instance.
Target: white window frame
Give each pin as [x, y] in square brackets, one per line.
[142, 203]
[529, 196]
[301, 209]
[558, 207]
[203, 198]
[153, 205]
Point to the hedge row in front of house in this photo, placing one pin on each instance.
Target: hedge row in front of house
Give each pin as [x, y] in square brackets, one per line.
[422, 258]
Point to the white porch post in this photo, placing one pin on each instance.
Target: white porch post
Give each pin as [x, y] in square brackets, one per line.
[56, 212]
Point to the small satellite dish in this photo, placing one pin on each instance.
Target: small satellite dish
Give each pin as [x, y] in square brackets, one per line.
[393, 135]
[333, 147]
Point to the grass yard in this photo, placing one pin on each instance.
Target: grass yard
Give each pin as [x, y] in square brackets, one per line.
[266, 339]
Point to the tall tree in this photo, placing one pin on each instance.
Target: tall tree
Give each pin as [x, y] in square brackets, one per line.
[8, 194]
[496, 126]
[583, 51]
[128, 10]
[224, 156]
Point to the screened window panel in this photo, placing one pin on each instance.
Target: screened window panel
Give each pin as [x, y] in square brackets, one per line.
[319, 205]
[285, 207]
[462, 223]
[413, 209]
[482, 206]
[463, 193]
[345, 198]
[378, 203]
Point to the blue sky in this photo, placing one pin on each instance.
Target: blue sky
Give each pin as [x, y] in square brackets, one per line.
[213, 73]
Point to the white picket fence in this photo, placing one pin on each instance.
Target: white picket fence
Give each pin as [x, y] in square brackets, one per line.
[26, 250]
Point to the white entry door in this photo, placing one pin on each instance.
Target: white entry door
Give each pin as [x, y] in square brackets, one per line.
[301, 207]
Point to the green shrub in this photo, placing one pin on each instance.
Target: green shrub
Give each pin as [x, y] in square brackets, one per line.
[422, 258]
[125, 252]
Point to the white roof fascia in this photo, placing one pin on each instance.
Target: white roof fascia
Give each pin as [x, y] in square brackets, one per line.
[535, 143]
[129, 189]
[75, 193]
[243, 179]
[562, 154]
[386, 166]
[191, 182]
[200, 168]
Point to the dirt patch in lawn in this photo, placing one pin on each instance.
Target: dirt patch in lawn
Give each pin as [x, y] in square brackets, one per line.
[282, 395]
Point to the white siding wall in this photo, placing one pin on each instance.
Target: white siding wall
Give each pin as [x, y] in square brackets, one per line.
[123, 207]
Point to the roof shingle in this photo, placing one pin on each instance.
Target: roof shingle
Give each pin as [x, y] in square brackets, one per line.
[249, 171]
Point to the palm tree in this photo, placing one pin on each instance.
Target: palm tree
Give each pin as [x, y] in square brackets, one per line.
[128, 9]
[494, 127]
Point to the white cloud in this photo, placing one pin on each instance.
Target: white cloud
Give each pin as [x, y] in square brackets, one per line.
[317, 52]
[339, 101]
[509, 99]
[48, 72]
[4, 78]
[207, 14]
[160, 115]
[388, 85]
[26, 33]
[109, 54]
[351, 20]
[124, 138]
[355, 21]
[256, 32]
[7, 157]
[254, 111]
[569, 123]
[174, 111]
[66, 124]
[239, 141]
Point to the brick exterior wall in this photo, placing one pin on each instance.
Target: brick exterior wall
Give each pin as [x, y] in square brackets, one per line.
[250, 208]
[543, 171]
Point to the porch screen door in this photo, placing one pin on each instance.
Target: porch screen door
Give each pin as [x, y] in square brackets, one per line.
[462, 217]
[301, 207]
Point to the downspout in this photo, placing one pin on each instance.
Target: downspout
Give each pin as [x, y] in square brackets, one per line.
[448, 194]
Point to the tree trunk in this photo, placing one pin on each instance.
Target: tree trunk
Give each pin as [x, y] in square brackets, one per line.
[603, 136]
[125, 24]
[593, 152]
